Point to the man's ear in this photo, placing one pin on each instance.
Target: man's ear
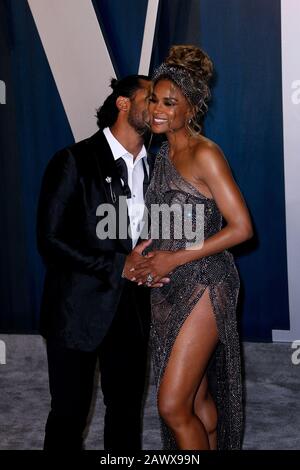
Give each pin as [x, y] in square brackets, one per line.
[122, 103]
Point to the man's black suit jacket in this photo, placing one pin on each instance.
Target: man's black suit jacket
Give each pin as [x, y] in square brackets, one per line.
[83, 280]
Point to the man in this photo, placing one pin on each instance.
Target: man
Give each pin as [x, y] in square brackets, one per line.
[90, 309]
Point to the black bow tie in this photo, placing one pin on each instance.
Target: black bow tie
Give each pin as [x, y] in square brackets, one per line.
[123, 172]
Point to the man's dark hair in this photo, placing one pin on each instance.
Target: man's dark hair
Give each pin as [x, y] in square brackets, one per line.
[107, 113]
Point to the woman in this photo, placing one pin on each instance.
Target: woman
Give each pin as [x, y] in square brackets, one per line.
[194, 332]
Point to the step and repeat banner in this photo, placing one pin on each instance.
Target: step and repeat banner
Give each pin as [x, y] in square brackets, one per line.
[56, 61]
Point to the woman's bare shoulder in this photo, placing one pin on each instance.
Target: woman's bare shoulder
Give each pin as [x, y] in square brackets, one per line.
[208, 155]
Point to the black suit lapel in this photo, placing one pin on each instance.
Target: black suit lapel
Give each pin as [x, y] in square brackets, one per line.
[110, 180]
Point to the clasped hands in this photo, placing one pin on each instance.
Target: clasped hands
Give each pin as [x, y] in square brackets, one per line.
[150, 270]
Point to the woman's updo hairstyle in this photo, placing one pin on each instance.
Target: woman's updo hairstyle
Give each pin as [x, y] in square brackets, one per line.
[191, 69]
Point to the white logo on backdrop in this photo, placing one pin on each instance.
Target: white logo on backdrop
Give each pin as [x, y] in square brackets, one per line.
[79, 58]
[296, 93]
[290, 32]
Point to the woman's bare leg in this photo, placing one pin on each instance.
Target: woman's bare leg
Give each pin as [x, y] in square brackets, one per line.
[182, 379]
[205, 409]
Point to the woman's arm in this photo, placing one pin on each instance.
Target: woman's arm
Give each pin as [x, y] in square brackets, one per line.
[216, 174]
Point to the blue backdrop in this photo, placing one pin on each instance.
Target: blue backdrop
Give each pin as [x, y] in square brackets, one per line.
[243, 38]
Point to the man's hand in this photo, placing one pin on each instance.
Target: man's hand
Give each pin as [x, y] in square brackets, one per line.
[158, 264]
[136, 257]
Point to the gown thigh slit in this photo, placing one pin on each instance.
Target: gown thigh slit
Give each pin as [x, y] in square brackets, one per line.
[172, 304]
[184, 376]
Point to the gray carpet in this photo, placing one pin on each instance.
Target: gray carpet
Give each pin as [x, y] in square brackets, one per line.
[272, 398]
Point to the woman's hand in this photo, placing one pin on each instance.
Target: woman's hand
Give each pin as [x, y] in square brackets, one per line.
[156, 263]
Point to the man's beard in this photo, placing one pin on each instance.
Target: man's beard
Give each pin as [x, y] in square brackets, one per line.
[138, 121]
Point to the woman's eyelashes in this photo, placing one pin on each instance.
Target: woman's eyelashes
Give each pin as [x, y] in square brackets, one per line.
[165, 102]
[169, 103]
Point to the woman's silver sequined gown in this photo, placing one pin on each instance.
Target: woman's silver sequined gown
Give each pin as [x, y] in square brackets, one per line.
[172, 303]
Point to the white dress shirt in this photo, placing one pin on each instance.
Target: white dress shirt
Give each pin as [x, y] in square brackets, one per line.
[135, 169]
